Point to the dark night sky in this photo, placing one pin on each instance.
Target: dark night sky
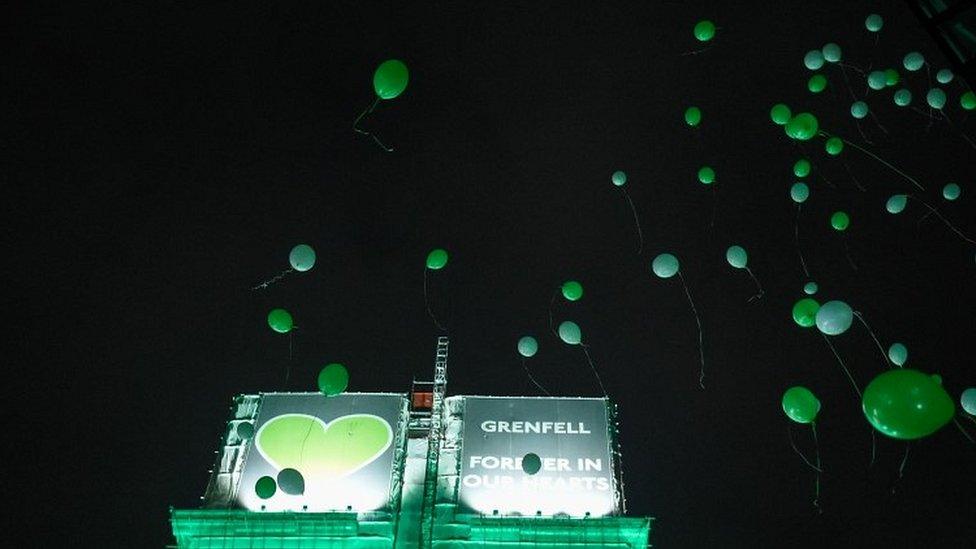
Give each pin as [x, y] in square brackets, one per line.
[163, 160]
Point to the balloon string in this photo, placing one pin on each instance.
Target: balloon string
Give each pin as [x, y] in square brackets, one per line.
[273, 279]
[291, 335]
[944, 220]
[816, 449]
[843, 366]
[953, 126]
[846, 81]
[301, 451]
[696, 52]
[427, 304]
[593, 367]
[901, 468]
[355, 125]
[963, 431]
[525, 366]
[640, 233]
[789, 431]
[701, 347]
[876, 157]
[857, 183]
[796, 239]
[759, 287]
[878, 124]
[884, 356]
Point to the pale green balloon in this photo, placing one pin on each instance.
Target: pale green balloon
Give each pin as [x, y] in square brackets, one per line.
[896, 203]
[570, 333]
[665, 265]
[528, 346]
[898, 354]
[913, 61]
[813, 60]
[810, 288]
[859, 109]
[737, 257]
[877, 80]
[618, 178]
[944, 76]
[831, 52]
[873, 22]
[902, 97]
[799, 192]
[302, 258]
[951, 191]
[936, 98]
[834, 317]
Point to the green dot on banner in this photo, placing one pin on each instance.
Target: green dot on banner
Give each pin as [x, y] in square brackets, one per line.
[693, 116]
[436, 259]
[333, 379]
[531, 464]
[834, 146]
[704, 30]
[572, 290]
[265, 487]
[951, 191]
[840, 221]
[780, 114]
[706, 175]
[280, 321]
[805, 312]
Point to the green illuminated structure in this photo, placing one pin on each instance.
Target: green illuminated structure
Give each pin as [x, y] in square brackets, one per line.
[418, 489]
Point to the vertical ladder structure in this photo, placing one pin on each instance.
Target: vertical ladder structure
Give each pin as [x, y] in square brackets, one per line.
[434, 444]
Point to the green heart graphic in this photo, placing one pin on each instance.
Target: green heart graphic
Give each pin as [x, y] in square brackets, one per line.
[323, 452]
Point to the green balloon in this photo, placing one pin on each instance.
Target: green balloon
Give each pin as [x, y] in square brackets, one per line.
[834, 146]
[780, 114]
[390, 79]
[891, 77]
[813, 60]
[906, 404]
[302, 258]
[873, 22]
[531, 464]
[968, 100]
[528, 346]
[665, 265]
[834, 318]
[799, 192]
[245, 430]
[902, 97]
[618, 178]
[706, 175]
[572, 290]
[831, 52]
[951, 191]
[704, 30]
[936, 98]
[693, 116]
[737, 257]
[333, 379]
[280, 321]
[840, 221]
[817, 83]
[805, 312]
[898, 354]
[896, 204]
[913, 61]
[436, 259]
[801, 168]
[802, 127]
[877, 80]
[800, 404]
[265, 487]
[570, 333]
[291, 482]
[810, 288]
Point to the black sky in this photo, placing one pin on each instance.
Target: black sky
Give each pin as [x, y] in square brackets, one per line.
[163, 160]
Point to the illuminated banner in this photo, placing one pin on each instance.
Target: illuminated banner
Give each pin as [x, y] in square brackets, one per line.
[570, 437]
[314, 453]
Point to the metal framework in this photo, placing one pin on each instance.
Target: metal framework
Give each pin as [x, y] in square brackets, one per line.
[434, 443]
